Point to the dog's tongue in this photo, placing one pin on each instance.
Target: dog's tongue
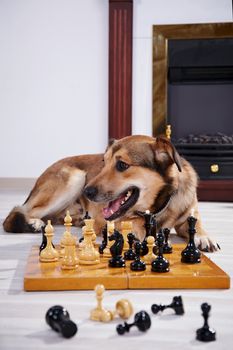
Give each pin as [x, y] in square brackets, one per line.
[113, 207]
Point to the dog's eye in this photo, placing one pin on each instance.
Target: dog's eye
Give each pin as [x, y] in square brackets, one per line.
[121, 166]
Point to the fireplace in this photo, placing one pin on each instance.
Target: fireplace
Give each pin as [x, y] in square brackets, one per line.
[193, 92]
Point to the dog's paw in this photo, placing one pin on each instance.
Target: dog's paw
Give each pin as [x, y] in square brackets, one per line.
[206, 244]
[36, 225]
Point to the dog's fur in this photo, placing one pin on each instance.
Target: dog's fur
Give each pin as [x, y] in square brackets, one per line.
[166, 182]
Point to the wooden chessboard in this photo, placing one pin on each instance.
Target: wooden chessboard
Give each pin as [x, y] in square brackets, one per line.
[49, 276]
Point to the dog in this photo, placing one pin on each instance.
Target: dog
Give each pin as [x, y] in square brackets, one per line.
[135, 174]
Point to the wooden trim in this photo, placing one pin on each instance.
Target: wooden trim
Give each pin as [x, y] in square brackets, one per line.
[120, 67]
[215, 190]
[161, 35]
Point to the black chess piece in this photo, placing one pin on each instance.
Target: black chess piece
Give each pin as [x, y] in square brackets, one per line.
[137, 264]
[116, 250]
[130, 254]
[205, 333]
[160, 264]
[167, 248]
[176, 305]
[150, 228]
[191, 254]
[44, 240]
[104, 241]
[58, 318]
[141, 320]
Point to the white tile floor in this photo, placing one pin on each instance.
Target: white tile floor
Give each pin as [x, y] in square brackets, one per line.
[22, 323]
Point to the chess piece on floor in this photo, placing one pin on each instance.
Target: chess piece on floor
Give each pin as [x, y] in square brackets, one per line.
[176, 305]
[167, 248]
[160, 264]
[126, 228]
[116, 250]
[137, 264]
[88, 255]
[110, 230]
[191, 254]
[123, 308]
[103, 245]
[130, 254]
[49, 253]
[141, 320]
[70, 259]
[205, 333]
[150, 256]
[58, 318]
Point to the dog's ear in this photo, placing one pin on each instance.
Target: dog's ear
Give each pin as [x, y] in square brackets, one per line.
[165, 153]
[110, 143]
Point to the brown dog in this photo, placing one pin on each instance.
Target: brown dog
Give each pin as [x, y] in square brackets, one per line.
[136, 173]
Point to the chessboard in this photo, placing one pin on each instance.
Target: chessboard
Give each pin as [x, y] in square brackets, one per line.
[49, 276]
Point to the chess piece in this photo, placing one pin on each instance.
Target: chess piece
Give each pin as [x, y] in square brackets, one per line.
[70, 259]
[150, 228]
[176, 305]
[66, 234]
[44, 240]
[129, 254]
[141, 320]
[116, 250]
[160, 264]
[103, 245]
[126, 228]
[150, 256]
[49, 253]
[123, 308]
[167, 248]
[205, 333]
[58, 318]
[88, 254]
[191, 254]
[137, 264]
[110, 230]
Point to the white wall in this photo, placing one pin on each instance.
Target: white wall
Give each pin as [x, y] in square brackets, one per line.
[53, 82]
[54, 74]
[148, 13]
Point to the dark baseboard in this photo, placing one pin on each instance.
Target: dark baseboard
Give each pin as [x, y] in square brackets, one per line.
[215, 190]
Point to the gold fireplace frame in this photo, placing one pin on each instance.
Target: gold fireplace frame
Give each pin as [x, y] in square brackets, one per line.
[161, 35]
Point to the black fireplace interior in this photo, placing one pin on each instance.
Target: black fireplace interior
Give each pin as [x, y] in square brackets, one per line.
[200, 103]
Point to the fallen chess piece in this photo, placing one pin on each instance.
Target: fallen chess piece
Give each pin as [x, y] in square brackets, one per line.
[205, 333]
[141, 320]
[123, 308]
[58, 318]
[191, 254]
[160, 264]
[176, 305]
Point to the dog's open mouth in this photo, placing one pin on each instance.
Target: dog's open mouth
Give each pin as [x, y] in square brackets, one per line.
[121, 204]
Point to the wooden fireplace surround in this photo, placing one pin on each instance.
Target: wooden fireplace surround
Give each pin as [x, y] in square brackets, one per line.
[120, 79]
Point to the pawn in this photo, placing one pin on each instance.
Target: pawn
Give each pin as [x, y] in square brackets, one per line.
[49, 253]
[70, 259]
[150, 256]
[123, 308]
[129, 254]
[191, 254]
[167, 248]
[58, 318]
[160, 264]
[137, 264]
[141, 320]
[88, 254]
[103, 245]
[176, 305]
[205, 333]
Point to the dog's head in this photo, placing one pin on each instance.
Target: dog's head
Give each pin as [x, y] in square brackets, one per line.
[138, 173]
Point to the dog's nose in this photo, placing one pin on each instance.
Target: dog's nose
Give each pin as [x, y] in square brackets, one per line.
[90, 192]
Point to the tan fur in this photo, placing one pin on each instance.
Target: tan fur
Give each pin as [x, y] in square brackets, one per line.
[154, 167]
